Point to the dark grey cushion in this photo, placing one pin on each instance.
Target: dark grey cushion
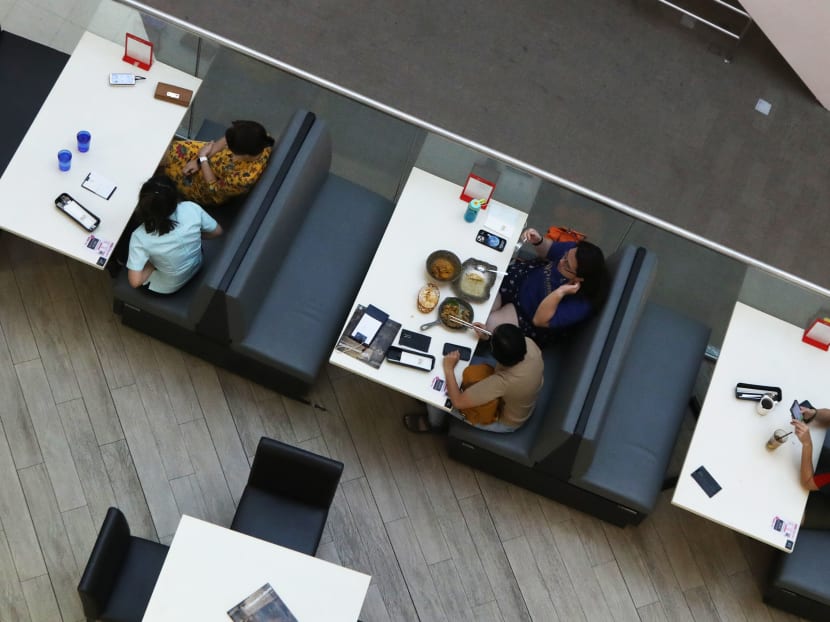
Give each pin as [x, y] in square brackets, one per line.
[627, 460]
[28, 71]
[306, 302]
[280, 520]
[278, 232]
[187, 306]
[805, 570]
[136, 581]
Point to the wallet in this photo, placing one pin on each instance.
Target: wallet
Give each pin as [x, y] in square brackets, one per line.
[173, 94]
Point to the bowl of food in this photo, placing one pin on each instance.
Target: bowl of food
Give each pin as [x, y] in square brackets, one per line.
[443, 265]
[453, 308]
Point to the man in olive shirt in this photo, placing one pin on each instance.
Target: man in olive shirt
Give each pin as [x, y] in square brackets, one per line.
[515, 382]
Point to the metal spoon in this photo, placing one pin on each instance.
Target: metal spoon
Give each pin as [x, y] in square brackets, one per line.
[481, 268]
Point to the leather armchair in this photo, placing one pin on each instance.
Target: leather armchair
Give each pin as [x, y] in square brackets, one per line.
[288, 495]
[121, 572]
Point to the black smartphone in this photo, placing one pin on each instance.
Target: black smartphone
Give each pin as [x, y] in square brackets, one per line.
[491, 240]
[795, 411]
[418, 341]
[77, 212]
[464, 352]
[807, 404]
[706, 481]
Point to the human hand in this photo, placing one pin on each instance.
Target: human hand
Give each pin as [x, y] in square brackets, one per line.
[808, 414]
[568, 289]
[450, 361]
[802, 432]
[531, 235]
[479, 327]
[191, 167]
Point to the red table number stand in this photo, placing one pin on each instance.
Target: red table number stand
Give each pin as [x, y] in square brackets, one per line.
[477, 188]
[138, 52]
[818, 334]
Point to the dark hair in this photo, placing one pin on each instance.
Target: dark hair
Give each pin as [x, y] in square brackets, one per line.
[247, 138]
[590, 266]
[157, 201]
[508, 344]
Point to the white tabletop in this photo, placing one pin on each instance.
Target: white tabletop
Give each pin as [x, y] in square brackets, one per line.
[130, 131]
[209, 569]
[429, 216]
[758, 485]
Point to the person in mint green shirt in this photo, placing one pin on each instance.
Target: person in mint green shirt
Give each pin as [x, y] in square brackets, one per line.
[166, 248]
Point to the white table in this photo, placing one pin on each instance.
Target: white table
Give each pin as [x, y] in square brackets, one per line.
[209, 569]
[429, 216]
[729, 440]
[130, 131]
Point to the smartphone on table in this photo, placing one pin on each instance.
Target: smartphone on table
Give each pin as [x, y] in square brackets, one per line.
[491, 240]
[77, 212]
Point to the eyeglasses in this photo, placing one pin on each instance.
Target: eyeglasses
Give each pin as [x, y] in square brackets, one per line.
[566, 264]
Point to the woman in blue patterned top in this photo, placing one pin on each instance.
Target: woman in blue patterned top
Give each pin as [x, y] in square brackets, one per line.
[562, 287]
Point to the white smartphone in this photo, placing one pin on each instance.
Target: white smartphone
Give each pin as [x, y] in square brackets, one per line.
[122, 79]
[77, 212]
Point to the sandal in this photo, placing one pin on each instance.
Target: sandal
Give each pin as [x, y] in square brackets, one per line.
[419, 423]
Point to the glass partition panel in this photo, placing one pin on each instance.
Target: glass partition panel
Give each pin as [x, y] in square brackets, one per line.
[784, 299]
[370, 147]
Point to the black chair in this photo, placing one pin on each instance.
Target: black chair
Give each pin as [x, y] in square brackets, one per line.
[288, 495]
[121, 572]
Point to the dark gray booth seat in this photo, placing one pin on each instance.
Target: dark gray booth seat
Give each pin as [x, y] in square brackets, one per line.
[290, 296]
[570, 372]
[800, 581]
[189, 306]
[270, 302]
[597, 392]
[630, 455]
[28, 71]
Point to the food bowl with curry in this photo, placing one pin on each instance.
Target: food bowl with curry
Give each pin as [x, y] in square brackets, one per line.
[443, 266]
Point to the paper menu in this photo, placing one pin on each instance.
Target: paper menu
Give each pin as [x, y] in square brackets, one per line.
[369, 325]
[499, 220]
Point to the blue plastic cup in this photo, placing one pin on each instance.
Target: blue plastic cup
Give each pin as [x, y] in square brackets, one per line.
[64, 159]
[83, 141]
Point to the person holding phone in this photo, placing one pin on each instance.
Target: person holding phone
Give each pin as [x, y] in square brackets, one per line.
[513, 384]
[562, 287]
[166, 248]
[817, 481]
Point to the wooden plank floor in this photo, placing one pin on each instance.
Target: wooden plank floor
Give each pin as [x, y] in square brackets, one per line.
[94, 414]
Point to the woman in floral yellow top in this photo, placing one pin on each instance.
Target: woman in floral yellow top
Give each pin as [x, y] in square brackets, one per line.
[210, 173]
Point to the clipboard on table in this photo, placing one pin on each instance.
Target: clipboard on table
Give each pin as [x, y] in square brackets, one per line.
[818, 334]
[100, 185]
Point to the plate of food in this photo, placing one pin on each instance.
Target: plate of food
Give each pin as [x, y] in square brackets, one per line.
[428, 297]
[443, 265]
[476, 278]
